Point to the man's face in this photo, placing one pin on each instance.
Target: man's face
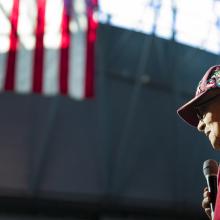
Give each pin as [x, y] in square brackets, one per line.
[209, 123]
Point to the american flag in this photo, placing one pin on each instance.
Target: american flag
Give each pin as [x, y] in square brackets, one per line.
[47, 46]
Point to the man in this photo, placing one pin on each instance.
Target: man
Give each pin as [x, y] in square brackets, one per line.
[203, 112]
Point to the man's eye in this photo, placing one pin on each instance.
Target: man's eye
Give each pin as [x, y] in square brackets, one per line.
[200, 115]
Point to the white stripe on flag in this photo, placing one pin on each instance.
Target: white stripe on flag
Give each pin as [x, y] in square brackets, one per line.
[3, 58]
[26, 28]
[78, 50]
[52, 38]
[23, 77]
[5, 29]
[7, 7]
[50, 78]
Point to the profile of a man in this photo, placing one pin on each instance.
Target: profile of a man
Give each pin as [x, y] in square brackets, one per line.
[203, 112]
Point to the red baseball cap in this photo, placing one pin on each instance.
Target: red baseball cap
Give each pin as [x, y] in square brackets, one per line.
[208, 87]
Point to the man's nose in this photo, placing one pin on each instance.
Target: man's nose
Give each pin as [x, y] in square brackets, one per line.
[201, 126]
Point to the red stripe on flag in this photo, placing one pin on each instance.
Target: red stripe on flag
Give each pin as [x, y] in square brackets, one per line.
[90, 55]
[39, 48]
[11, 59]
[64, 52]
[95, 3]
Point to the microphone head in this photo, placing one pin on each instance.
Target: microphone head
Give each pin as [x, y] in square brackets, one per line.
[210, 168]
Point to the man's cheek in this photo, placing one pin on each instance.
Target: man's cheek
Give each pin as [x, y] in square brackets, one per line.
[216, 129]
[216, 143]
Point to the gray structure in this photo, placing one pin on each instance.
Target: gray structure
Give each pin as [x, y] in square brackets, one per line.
[124, 154]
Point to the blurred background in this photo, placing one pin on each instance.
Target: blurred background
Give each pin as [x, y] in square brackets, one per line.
[89, 92]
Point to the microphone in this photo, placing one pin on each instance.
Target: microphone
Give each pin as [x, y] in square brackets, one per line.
[210, 170]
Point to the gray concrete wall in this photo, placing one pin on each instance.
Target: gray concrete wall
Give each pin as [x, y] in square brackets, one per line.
[127, 142]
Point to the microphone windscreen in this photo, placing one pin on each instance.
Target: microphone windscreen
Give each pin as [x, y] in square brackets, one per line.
[210, 168]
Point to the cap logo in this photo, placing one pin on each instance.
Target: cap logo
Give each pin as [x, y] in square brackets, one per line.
[215, 79]
[213, 82]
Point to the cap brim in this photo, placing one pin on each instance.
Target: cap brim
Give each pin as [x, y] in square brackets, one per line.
[188, 111]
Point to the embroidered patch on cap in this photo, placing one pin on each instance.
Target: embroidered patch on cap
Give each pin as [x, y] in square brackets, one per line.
[214, 81]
